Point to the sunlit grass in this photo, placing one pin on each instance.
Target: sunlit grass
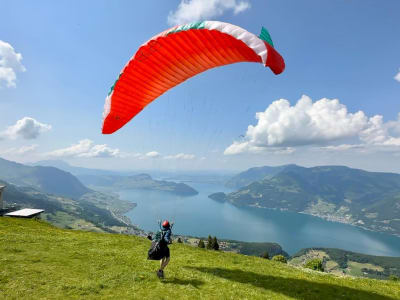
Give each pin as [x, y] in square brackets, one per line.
[41, 261]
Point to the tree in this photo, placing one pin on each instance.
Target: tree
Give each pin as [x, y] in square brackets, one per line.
[209, 242]
[215, 244]
[315, 264]
[280, 258]
[265, 255]
[179, 240]
[201, 244]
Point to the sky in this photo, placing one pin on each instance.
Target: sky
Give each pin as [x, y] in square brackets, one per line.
[337, 102]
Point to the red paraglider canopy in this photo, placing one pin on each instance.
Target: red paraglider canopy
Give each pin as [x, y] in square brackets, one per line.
[177, 54]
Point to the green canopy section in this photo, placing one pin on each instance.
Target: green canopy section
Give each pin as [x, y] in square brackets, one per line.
[265, 36]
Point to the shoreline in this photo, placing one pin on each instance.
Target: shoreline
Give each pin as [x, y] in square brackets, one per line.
[328, 218]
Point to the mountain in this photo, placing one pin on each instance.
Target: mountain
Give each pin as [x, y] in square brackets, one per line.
[62, 165]
[41, 261]
[97, 178]
[341, 262]
[140, 181]
[48, 179]
[94, 211]
[337, 193]
[253, 174]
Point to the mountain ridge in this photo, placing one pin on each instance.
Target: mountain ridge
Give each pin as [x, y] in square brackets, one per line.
[49, 179]
[337, 193]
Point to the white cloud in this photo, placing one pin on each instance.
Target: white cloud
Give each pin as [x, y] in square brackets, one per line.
[200, 10]
[101, 151]
[27, 149]
[397, 76]
[152, 154]
[342, 147]
[10, 64]
[85, 148]
[314, 123]
[20, 151]
[181, 156]
[27, 128]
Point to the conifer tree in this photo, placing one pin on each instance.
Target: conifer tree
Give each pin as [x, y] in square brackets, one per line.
[210, 242]
[215, 244]
[201, 244]
[265, 255]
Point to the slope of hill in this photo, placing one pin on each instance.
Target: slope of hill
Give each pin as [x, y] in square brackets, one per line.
[94, 211]
[339, 261]
[48, 179]
[62, 165]
[40, 261]
[253, 174]
[367, 199]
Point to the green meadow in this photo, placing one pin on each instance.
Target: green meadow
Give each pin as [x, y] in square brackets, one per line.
[39, 261]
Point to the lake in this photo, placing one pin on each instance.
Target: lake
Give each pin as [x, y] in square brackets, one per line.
[201, 216]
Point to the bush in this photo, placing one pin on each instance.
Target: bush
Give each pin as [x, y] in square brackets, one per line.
[394, 277]
[180, 240]
[265, 255]
[280, 258]
[201, 244]
[314, 264]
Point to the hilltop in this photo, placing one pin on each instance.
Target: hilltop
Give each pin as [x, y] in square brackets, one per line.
[41, 261]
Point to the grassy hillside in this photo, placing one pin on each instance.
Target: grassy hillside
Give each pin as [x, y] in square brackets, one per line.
[346, 262]
[41, 261]
[93, 211]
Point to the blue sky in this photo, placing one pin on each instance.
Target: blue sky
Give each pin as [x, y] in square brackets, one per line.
[65, 55]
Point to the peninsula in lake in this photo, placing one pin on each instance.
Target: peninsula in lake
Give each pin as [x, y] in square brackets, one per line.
[337, 193]
[140, 181]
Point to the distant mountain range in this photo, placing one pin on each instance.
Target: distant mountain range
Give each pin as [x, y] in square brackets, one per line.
[105, 179]
[337, 193]
[47, 179]
[70, 203]
[140, 181]
[62, 165]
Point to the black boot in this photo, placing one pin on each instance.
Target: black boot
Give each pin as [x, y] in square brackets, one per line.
[160, 273]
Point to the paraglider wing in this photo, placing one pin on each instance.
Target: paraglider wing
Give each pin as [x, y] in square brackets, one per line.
[177, 54]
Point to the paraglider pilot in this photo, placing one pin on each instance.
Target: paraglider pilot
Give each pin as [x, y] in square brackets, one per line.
[159, 249]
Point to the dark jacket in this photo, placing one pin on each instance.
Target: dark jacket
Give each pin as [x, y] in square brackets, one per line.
[167, 235]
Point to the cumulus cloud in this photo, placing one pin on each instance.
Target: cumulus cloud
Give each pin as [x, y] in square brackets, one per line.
[314, 123]
[181, 156]
[10, 64]
[27, 128]
[397, 76]
[85, 148]
[200, 10]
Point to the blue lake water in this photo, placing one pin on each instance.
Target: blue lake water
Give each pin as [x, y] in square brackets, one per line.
[201, 216]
